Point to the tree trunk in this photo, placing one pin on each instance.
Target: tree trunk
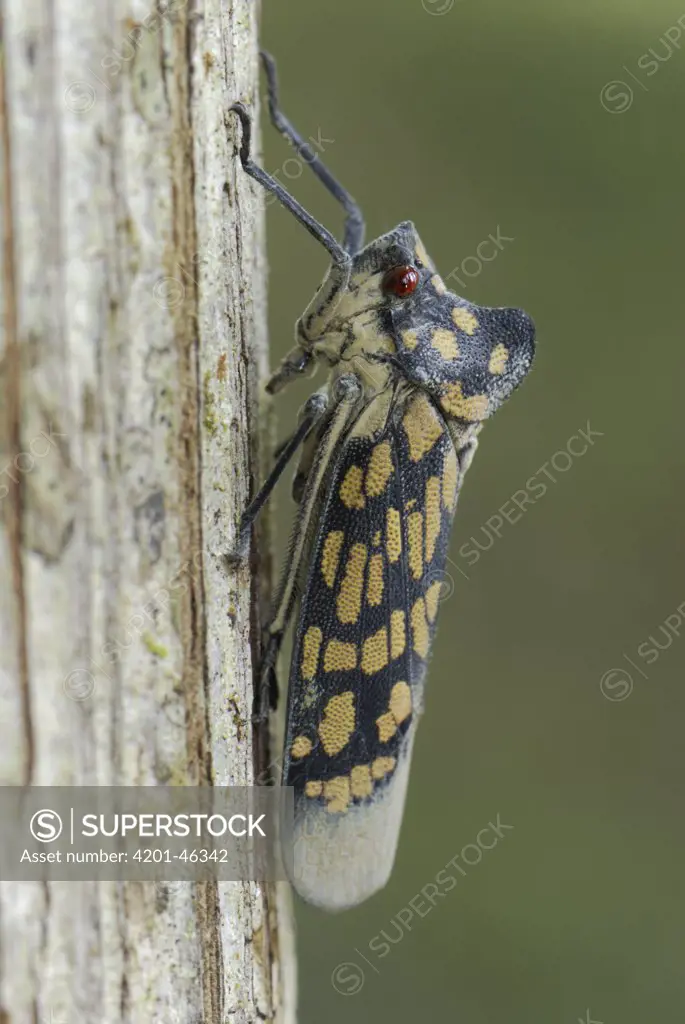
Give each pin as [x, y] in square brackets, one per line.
[133, 350]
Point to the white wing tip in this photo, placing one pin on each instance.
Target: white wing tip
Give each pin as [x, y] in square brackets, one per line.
[340, 860]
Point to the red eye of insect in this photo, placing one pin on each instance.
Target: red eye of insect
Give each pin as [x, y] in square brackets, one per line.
[401, 281]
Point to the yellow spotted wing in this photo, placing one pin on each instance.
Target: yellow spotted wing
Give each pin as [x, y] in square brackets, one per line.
[368, 607]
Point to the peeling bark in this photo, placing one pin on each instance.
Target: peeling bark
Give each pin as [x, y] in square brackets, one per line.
[133, 348]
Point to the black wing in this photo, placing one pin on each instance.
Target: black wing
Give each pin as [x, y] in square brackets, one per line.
[365, 626]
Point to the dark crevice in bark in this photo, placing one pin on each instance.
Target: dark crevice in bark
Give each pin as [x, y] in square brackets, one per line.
[196, 671]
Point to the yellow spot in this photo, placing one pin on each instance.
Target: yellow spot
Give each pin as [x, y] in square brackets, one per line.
[313, 788]
[337, 724]
[301, 747]
[443, 341]
[393, 534]
[464, 320]
[398, 637]
[351, 488]
[360, 781]
[498, 359]
[432, 599]
[421, 254]
[375, 652]
[382, 766]
[337, 793]
[450, 474]
[387, 727]
[374, 585]
[410, 339]
[400, 702]
[376, 538]
[472, 409]
[409, 504]
[422, 427]
[438, 284]
[415, 537]
[433, 516]
[419, 628]
[311, 644]
[349, 601]
[379, 470]
[331, 555]
[339, 657]
[400, 709]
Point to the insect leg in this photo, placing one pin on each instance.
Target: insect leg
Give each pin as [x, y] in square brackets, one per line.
[465, 446]
[311, 326]
[345, 397]
[312, 323]
[310, 414]
[354, 219]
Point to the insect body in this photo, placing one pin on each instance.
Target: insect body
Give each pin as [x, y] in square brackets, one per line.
[414, 372]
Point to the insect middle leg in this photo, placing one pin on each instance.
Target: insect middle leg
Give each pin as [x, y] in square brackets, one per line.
[310, 414]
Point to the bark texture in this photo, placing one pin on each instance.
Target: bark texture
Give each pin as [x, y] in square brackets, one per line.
[132, 350]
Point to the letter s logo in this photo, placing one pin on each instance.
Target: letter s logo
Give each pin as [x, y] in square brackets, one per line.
[46, 826]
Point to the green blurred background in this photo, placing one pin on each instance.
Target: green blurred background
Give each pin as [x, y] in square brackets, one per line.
[490, 115]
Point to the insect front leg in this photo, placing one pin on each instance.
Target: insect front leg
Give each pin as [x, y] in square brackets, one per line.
[346, 393]
[311, 326]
